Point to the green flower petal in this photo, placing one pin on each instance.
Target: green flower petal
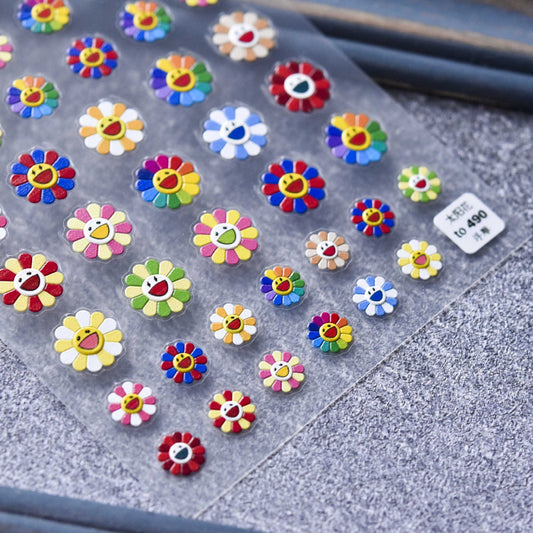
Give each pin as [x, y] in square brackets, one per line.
[325, 346]
[139, 301]
[408, 192]
[204, 87]
[431, 175]
[403, 178]
[335, 347]
[173, 201]
[379, 146]
[182, 296]
[298, 291]
[424, 197]
[184, 197]
[294, 276]
[342, 344]
[435, 188]
[152, 266]
[163, 309]
[414, 170]
[134, 280]
[204, 77]
[373, 127]
[378, 136]
[299, 283]
[176, 274]
[199, 68]
[160, 200]
[51, 102]
[55, 25]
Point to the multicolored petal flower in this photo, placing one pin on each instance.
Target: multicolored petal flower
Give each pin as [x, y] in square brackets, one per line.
[88, 341]
[245, 36]
[30, 282]
[355, 139]
[42, 176]
[233, 324]
[43, 16]
[281, 371]
[327, 250]
[131, 404]
[6, 49]
[375, 296]
[184, 362]
[419, 183]
[3, 224]
[282, 286]
[167, 181]
[225, 236]
[299, 86]
[293, 186]
[181, 454]
[145, 21]
[372, 217]
[180, 80]
[32, 97]
[330, 332]
[111, 128]
[235, 132]
[231, 411]
[99, 231]
[92, 57]
[419, 259]
[200, 3]
[157, 288]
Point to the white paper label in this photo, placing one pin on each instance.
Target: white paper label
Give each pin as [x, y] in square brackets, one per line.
[469, 223]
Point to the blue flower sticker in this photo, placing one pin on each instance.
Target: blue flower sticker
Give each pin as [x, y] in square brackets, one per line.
[92, 57]
[372, 217]
[375, 296]
[184, 362]
[282, 286]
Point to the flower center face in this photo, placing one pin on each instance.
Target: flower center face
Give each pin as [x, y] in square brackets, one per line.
[29, 282]
[293, 185]
[329, 332]
[183, 362]
[226, 236]
[88, 340]
[244, 35]
[231, 411]
[92, 57]
[99, 231]
[131, 403]
[281, 370]
[356, 138]
[145, 20]
[233, 324]
[327, 250]
[42, 176]
[157, 288]
[419, 259]
[181, 80]
[32, 96]
[282, 285]
[180, 453]
[42, 12]
[375, 295]
[372, 216]
[235, 132]
[299, 86]
[111, 128]
[419, 183]
[167, 181]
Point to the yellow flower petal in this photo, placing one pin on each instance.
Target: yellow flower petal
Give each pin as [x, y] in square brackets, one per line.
[117, 218]
[237, 395]
[346, 338]
[183, 284]
[192, 189]
[250, 408]
[424, 171]
[244, 423]
[165, 65]
[191, 177]
[46, 299]
[286, 386]
[94, 210]
[122, 238]
[219, 398]
[80, 363]
[201, 240]
[113, 336]
[21, 303]
[228, 339]
[209, 220]
[55, 278]
[96, 319]
[141, 271]
[80, 245]
[175, 305]
[150, 309]
[339, 122]
[268, 382]
[415, 274]
[219, 256]
[250, 233]
[403, 261]
[431, 194]
[407, 247]
[233, 216]
[243, 253]
[423, 245]
[215, 326]
[71, 323]
[132, 292]
[62, 345]
[213, 413]
[75, 223]
[6, 286]
[19, 84]
[106, 358]
[407, 172]
[226, 426]
[165, 267]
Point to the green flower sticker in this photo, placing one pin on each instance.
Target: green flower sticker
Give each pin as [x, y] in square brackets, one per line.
[419, 183]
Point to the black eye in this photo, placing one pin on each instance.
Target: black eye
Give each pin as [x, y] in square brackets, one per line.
[78, 338]
[87, 331]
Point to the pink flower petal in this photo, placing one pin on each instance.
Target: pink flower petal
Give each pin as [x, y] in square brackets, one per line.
[137, 388]
[208, 250]
[82, 214]
[293, 383]
[276, 385]
[162, 161]
[107, 211]
[298, 368]
[202, 229]
[149, 400]
[324, 317]
[126, 419]
[120, 391]
[269, 359]
[152, 166]
[144, 416]
[243, 223]
[123, 227]
[231, 257]
[286, 356]
[220, 215]
[250, 244]
[91, 251]
[114, 406]
[6, 48]
[263, 374]
[115, 247]
[75, 235]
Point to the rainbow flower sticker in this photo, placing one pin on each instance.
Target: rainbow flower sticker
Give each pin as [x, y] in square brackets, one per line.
[372, 217]
[6, 49]
[43, 16]
[32, 97]
[330, 332]
[200, 3]
[92, 57]
[282, 286]
[145, 21]
[184, 362]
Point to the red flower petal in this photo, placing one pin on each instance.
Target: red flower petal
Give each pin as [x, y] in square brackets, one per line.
[334, 318]
[249, 416]
[384, 228]
[50, 157]
[111, 55]
[49, 268]
[376, 203]
[218, 422]
[178, 377]
[317, 183]
[165, 365]
[85, 72]
[168, 464]
[321, 85]
[361, 206]
[287, 205]
[6, 275]
[228, 395]
[245, 400]
[189, 347]
[276, 169]
[79, 45]
[11, 297]
[169, 440]
[270, 188]
[53, 289]
[177, 436]
[277, 89]
[388, 214]
[193, 465]
[187, 437]
[164, 447]
[175, 162]
[293, 104]
[323, 94]
[214, 405]
[235, 427]
[35, 304]
[176, 468]
[276, 79]
[172, 350]
[27, 160]
[67, 173]
[316, 102]
[299, 167]
[195, 374]
[356, 219]
[369, 230]
[98, 42]
[105, 70]
[25, 260]
[283, 98]
[306, 68]
[310, 202]
[201, 360]
[72, 60]
[194, 443]
[34, 196]
[185, 469]
[59, 192]
[18, 179]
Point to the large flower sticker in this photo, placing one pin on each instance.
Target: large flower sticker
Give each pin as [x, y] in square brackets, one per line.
[88, 341]
[6, 49]
[111, 128]
[157, 288]
[167, 181]
[293, 186]
[43, 16]
[32, 97]
[233, 324]
[419, 183]
[327, 250]
[131, 404]
[30, 282]
[244, 36]
[92, 57]
[225, 236]
[145, 21]
[330, 332]
[299, 86]
[180, 80]
[235, 132]
[181, 454]
[282, 286]
[356, 139]
[232, 411]
[184, 362]
[419, 259]
[375, 296]
[99, 231]
[281, 371]
[42, 176]
[372, 217]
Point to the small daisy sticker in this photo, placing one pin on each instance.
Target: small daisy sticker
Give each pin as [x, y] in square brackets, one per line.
[145, 21]
[32, 97]
[372, 217]
[200, 3]
[235, 132]
[356, 139]
[330, 332]
[282, 286]
[42, 176]
[167, 181]
[184, 362]
[232, 411]
[233, 324]
[131, 404]
[293, 186]
[244, 36]
[99, 231]
[30, 282]
[299, 86]
[43, 16]
[157, 288]
[419, 183]
[92, 57]
[111, 128]
[327, 250]
[88, 341]
[180, 80]
[375, 296]
[3, 226]
[225, 236]
[181, 454]
[419, 259]
[6, 49]
[281, 371]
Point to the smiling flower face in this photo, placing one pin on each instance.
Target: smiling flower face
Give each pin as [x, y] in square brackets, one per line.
[43, 16]
[372, 217]
[32, 97]
[327, 250]
[184, 362]
[375, 296]
[232, 411]
[419, 183]
[181, 454]
[131, 404]
[92, 57]
[282, 286]
[281, 371]
[233, 324]
[419, 259]
[6, 49]
[330, 332]
[145, 21]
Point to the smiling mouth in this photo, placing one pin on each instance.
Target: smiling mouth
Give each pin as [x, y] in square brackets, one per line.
[147, 21]
[377, 296]
[374, 217]
[45, 13]
[233, 412]
[101, 232]
[283, 372]
[33, 97]
[358, 139]
[182, 81]
[329, 251]
[113, 128]
[284, 286]
[302, 87]
[92, 58]
[185, 363]
[228, 237]
[421, 260]
[247, 37]
[159, 289]
[296, 186]
[420, 184]
[31, 283]
[331, 332]
[170, 182]
[235, 323]
[237, 133]
[90, 342]
[133, 404]
[43, 177]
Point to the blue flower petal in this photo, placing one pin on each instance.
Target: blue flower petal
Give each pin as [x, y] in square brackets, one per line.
[77, 67]
[150, 194]
[373, 154]
[310, 173]
[278, 299]
[368, 202]
[144, 174]
[270, 178]
[294, 297]
[313, 335]
[377, 231]
[174, 98]
[358, 290]
[106, 47]
[167, 357]
[253, 119]
[26, 112]
[317, 343]
[61, 163]
[67, 184]
[287, 165]
[143, 185]
[379, 310]
[38, 156]
[388, 222]
[240, 152]
[317, 193]
[333, 131]
[392, 301]
[158, 73]
[180, 347]
[260, 140]
[187, 99]
[24, 189]
[350, 157]
[171, 372]
[187, 378]
[73, 52]
[200, 368]
[47, 197]
[287, 300]
[229, 111]
[96, 73]
[371, 281]
[216, 146]
[19, 168]
[276, 198]
[387, 286]
[363, 305]
[299, 205]
[362, 158]
[196, 95]
[211, 125]
[197, 352]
